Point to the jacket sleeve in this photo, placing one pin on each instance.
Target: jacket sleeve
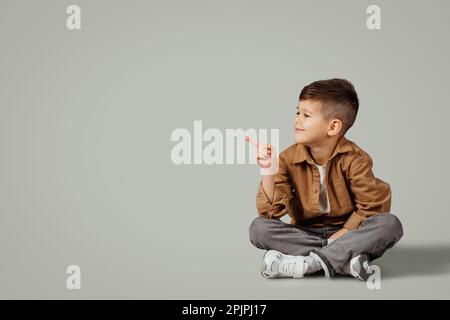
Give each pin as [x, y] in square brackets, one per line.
[282, 196]
[370, 195]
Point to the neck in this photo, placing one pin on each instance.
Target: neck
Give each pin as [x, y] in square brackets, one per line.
[321, 153]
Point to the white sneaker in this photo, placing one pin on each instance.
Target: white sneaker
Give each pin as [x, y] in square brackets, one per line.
[359, 267]
[278, 265]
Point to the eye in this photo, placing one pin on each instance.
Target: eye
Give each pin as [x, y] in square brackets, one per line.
[307, 115]
[297, 113]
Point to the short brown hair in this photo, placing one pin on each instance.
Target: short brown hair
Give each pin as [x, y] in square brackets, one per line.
[338, 97]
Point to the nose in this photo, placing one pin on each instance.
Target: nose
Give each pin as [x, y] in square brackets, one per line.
[297, 119]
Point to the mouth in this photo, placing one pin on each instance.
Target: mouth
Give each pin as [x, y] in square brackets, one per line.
[299, 130]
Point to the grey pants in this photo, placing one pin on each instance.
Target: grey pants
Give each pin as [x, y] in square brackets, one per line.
[375, 235]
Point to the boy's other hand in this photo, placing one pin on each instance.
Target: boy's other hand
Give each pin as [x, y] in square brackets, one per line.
[338, 234]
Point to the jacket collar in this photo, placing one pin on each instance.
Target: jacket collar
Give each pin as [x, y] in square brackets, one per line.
[302, 152]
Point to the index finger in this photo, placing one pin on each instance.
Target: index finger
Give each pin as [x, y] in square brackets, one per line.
[249, 139]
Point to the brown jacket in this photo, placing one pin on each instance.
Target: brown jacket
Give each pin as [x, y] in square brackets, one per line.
[354, 192]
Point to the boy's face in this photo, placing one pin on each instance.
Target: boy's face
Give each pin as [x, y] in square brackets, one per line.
[310, 126]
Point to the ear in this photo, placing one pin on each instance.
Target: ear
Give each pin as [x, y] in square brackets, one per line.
[334, 127]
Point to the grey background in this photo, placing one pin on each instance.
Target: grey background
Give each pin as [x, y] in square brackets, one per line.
[86, 118]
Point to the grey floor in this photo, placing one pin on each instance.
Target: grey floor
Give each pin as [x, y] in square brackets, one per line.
[407, 272]
[205, 263]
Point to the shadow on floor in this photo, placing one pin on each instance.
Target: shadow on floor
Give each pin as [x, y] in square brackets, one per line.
[405, 261]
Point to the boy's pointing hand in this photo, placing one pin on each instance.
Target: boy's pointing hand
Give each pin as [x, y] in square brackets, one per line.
[266, 157]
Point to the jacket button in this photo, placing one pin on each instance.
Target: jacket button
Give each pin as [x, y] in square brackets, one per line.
[315, 191]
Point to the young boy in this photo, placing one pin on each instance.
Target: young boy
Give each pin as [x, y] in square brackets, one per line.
[339, 210]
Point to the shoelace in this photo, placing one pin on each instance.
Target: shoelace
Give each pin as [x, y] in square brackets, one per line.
[292, 267]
